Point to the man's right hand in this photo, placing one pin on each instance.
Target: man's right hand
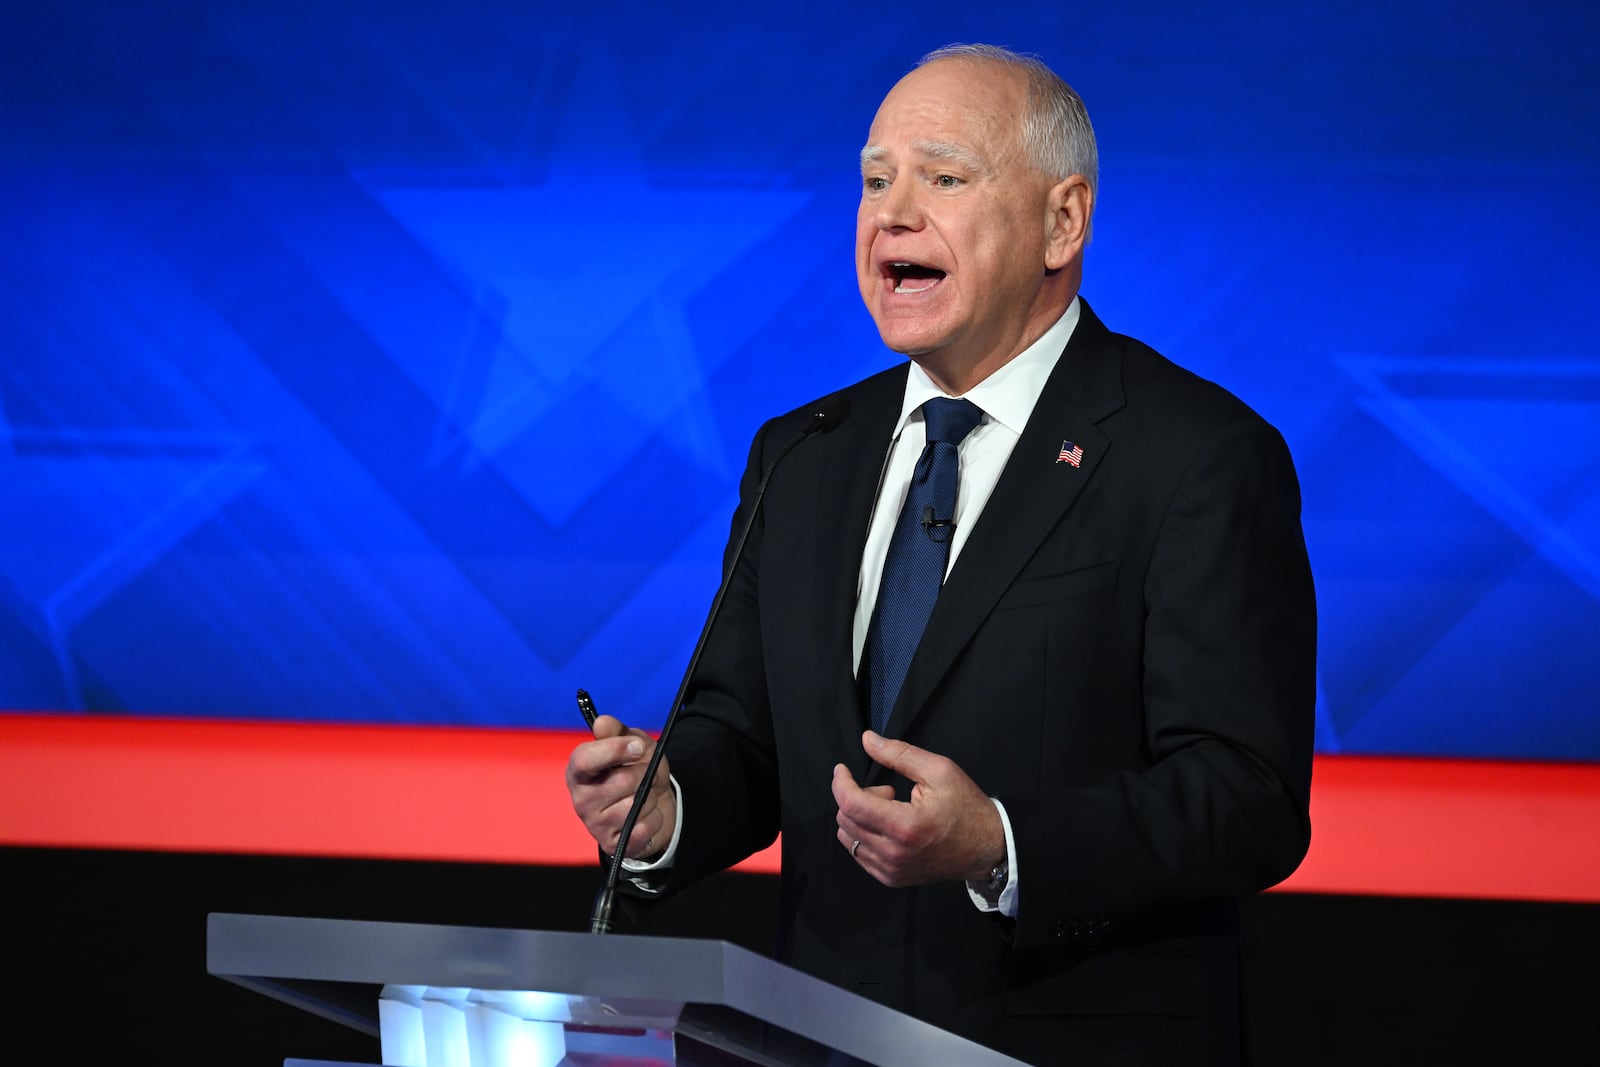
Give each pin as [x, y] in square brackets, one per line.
[602, 777]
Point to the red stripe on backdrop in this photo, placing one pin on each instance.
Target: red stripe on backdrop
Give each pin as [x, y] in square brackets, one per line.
[1445, 828]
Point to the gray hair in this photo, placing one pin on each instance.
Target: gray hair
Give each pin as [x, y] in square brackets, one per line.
[1056, 133]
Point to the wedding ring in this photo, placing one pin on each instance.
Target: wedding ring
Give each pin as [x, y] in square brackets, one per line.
[854, 848]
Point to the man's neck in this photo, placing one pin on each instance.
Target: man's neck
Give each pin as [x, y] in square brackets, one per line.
[956, 373]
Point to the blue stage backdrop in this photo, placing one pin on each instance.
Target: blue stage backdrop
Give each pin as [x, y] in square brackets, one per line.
[397, 361]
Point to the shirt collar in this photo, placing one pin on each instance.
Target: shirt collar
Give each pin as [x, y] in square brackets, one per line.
[1008, 395]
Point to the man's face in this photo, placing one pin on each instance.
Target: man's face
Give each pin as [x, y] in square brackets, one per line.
[954, 222]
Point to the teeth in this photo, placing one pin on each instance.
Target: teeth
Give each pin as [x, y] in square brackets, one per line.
[902, 286]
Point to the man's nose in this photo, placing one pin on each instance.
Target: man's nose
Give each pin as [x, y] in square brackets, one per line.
[900, 207]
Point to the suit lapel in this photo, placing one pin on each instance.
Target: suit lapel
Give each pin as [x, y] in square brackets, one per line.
[1033, 493]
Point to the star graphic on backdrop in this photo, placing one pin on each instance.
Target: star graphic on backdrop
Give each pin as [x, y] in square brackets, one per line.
[577, 286]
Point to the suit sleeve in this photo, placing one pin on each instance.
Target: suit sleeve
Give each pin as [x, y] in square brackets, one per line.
[721, 748]
[1221, 809]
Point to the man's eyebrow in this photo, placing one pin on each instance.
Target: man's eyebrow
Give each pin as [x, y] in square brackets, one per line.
[952, 153]
[946, 151]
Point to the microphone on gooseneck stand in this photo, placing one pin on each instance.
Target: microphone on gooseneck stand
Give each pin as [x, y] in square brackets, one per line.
[828, 414]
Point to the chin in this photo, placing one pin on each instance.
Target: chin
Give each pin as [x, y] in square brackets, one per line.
[908, 341]
[916, 350]
[902, 345]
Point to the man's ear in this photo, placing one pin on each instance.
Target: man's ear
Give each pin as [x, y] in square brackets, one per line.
[1070, 205]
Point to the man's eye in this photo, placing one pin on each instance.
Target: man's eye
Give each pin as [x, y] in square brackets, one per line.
[948, 181]
[877, 185]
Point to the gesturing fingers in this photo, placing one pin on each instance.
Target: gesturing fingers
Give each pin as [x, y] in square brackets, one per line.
[918, 765]
[869, 809]
[868, 821]
[946, 830]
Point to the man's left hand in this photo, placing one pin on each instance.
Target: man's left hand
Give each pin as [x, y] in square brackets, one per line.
[948, 831]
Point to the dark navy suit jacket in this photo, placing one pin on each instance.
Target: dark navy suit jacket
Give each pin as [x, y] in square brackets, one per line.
[1123, 654]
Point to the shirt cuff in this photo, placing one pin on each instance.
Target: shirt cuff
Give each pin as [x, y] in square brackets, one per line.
[1006, 902]
[666, 859]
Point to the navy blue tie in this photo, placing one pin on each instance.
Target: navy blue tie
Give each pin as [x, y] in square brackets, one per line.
[919, 550]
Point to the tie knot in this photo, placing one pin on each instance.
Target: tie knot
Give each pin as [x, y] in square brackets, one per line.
[950, 420]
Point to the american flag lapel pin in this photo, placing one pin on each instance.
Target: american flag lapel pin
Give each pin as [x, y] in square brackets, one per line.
[1070, 453]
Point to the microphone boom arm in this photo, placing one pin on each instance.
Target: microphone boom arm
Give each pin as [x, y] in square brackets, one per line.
[828, 414]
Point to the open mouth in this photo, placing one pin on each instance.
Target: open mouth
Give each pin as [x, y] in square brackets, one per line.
[912, 278]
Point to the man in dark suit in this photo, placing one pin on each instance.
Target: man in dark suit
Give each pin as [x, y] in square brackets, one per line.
[1103, 737]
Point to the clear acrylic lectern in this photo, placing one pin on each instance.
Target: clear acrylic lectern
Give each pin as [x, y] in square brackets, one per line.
[453, 996]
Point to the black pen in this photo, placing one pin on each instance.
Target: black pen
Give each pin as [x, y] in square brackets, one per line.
[586, 705]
